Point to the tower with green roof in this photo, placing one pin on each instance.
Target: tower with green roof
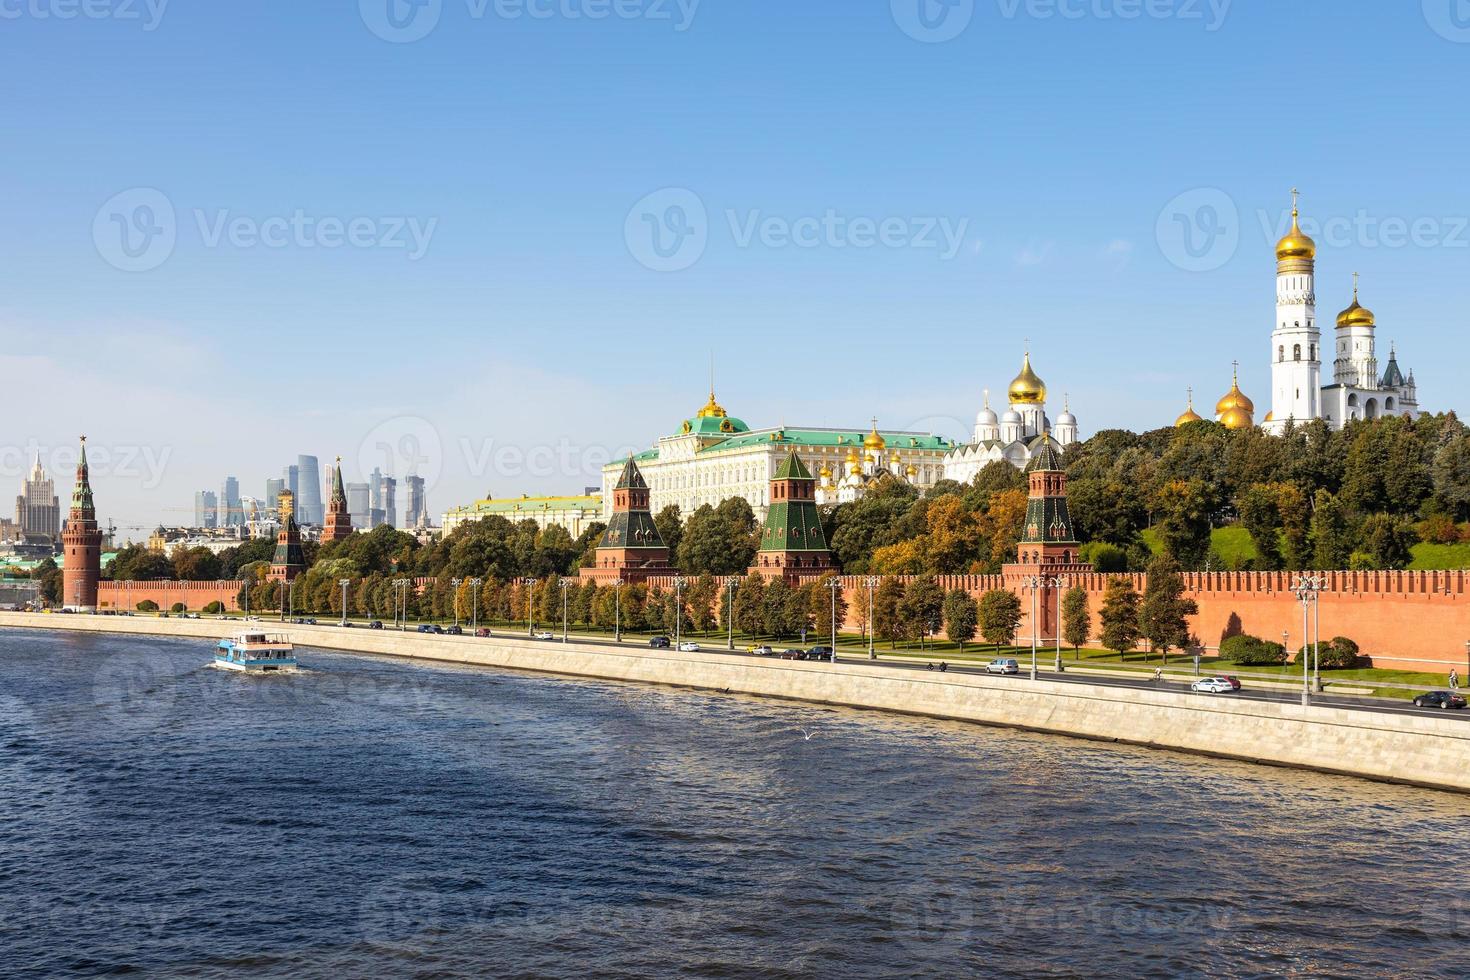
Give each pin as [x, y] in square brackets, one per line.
[793, 543]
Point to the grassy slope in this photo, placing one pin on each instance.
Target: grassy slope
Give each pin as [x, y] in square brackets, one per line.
[1234, 545]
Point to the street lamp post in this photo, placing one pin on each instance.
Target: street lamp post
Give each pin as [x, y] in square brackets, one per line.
[530, 585]
[1308, 590]
[871, 583]
[1061, 583]
[618, 610]
[456, 583]
[1034, 584]
[730, 583]
[678, 607]
[475, 604]
[344, 582]
[565, 583]
[836, 586]
[400, 586]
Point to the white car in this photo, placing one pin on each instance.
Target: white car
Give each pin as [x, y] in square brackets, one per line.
[1213, 685]
[1005, 666]
[542, 635]
[687, 647]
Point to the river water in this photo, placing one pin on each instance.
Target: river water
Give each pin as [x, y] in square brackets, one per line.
[375, 817]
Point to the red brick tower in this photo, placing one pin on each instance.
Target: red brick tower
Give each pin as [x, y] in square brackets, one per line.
[792, 541]
[81, 545]
[1048, 549]
[338, 524]
[631, 549]
[288, 561]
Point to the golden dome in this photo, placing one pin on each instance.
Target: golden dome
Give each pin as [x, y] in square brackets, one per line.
[1356, 315]
[825, 472]
[1236, 419]
[1190, 415]
[852, 457]
[1296, 250]
[874, 440]
[1027, 389]
[912, 470]
[1235, 399]
[713, 409]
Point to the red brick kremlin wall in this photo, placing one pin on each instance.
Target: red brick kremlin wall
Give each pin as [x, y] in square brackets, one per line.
[194, 595]
[1403, 620]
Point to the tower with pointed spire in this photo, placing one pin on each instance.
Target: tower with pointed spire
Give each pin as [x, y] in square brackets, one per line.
[338, 522]
[37, 509]
[1296, 340]
[631, 548]
[288, 561]
[793, 543]
[81, 543]
[1048, 547]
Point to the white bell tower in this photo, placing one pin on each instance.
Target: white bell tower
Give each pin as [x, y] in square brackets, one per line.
[1296, 341]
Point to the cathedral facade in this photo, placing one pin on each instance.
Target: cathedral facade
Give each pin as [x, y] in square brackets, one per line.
[1015, 437]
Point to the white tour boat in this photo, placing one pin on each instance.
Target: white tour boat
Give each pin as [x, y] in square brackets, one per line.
[256, 653]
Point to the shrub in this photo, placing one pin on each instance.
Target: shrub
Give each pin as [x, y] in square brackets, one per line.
[215, 608]
[147, 605]
[1252, 651]
[178, 607]
[1338, 653]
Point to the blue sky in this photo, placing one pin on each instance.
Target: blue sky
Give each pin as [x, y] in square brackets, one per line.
[498, 301]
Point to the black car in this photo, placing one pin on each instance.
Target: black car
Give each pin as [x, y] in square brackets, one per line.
[659, 642]
[376, 624]
[793, 654]
[819, 653]
[1439, 699]
[454, 631]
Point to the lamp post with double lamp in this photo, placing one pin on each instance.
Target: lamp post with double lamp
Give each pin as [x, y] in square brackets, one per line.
[400, 588]
[454, 599]
[871, 582]
[618, 610]
[344, 582]
[475, 584]
[1061, 583]
[530, 585]
[565, 584]
[1308, 590]
[730, 582]
[678, 607]
[835, 584]
[1035, 584]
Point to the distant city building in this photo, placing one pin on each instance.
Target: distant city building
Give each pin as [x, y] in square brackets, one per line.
[359, 505]
[376, 513]
[388, 493]
[37, 509]
[291, 480]
[171, 540]
[415, 505]
[81, 544]
[206, 509]
[572, 513]
[273, 490]
[230, 514]
[309, 507]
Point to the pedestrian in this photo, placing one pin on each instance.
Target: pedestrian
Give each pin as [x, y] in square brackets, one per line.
[1454, 680]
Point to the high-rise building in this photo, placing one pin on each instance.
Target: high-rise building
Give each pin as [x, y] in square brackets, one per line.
[291, 479]
[206, 508]
[273, 490]
[309, 508]
[81, 544]
[359, 505]
[388, 493]
[416, 508]
[37, 509]
[375, 499]
[230, 513]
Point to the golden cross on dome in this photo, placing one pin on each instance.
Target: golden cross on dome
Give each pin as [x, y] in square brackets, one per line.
[1295, 194]
[1355, 285]
[1235, 370]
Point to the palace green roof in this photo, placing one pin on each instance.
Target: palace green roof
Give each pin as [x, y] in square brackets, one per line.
[829, 438]
[521, 505]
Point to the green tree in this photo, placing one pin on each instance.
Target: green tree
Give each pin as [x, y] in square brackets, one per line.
[1000, 617]
[887, 619]
[1451, 476]
[961, 617]
[670, 524]
[1332, 544]
[1185, 508]
[750, 605]
[1076, 618]
[1261, 518]
[922, 608]
[1120, 629]
[822, 608]
[719, 540]
[1389, 541]
[1163, 618]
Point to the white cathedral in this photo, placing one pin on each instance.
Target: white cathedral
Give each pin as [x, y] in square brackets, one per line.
[1358, 390]
[1014, 437]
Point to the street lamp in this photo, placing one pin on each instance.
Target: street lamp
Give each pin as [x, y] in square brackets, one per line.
[565, 583]
[456, 583]
[730, 583]
[475, 604]
[400, 585]
[1035, 584]
[618, 610]
[835, 584]
[678, 607]
[344, 582]
[1308, 590]
[872, 583]
[1061, 583]
[530, 585]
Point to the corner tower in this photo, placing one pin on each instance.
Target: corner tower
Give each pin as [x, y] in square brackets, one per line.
[1296, 341]
[81, 544]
